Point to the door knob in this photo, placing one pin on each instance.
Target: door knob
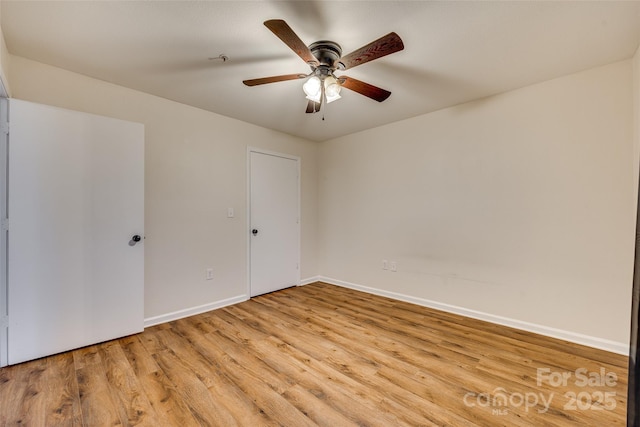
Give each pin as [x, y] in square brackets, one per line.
[134, 239]
[254, 231]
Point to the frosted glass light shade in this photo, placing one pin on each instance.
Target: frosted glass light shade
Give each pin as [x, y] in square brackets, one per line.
[331, 89]
[312, 87]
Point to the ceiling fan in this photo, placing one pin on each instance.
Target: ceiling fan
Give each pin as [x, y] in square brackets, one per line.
[325, 57]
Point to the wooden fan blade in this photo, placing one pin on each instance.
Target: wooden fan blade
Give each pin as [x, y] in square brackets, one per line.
[363, 88]
[384, 46]
[313, 106]
[284, 32]
[274, 79]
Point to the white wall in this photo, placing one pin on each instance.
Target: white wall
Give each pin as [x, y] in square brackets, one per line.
[195, 168]
[517, 208]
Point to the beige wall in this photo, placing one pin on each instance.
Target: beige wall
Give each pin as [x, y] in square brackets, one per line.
[516, 208]
[195, 168]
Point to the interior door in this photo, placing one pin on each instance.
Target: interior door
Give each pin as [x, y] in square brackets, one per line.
[76, 201]
[274, 222]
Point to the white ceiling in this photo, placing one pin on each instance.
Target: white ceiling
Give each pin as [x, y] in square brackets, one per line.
[454, 51]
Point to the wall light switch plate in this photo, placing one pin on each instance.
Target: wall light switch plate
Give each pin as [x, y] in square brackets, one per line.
[230, 213]
[385, 264]
[394, 266]
[209, 274]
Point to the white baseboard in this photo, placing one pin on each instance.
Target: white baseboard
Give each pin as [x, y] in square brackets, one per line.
[163, 318]
[600, 343]
[310, 280]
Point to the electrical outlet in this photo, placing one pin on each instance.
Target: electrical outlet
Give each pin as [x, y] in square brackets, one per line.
[394, 266]
[385, 264]
[209, 274]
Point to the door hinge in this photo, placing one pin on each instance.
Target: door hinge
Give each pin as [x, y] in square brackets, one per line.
[4, 322]
[4, 127]
[5, 224]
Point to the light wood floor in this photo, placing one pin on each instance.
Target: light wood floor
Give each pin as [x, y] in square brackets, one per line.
[319, 355]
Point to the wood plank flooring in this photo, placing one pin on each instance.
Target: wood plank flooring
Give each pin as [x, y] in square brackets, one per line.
[321, 355]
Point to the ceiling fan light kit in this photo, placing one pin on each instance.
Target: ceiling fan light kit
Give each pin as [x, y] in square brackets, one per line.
[324, 57]
[318, 88]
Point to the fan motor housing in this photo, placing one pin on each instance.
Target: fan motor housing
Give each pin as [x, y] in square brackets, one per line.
[326, 52]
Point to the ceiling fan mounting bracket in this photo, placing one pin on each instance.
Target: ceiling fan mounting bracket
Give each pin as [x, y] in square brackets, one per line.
[326, 52]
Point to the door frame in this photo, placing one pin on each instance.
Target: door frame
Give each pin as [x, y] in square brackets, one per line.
[4, 232]
[248, 228]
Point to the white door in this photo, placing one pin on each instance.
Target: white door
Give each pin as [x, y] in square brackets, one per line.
[76, 199]
[274, 222]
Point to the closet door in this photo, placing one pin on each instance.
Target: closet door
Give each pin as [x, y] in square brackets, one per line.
[275, 227]
[76, 205]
